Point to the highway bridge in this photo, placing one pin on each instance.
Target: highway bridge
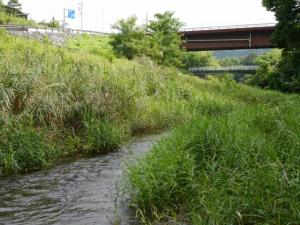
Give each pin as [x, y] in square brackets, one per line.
[230, 37]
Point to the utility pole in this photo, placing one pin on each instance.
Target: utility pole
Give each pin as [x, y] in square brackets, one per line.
[64, 19]
[103, 20]
[81, 14]
[147, 18]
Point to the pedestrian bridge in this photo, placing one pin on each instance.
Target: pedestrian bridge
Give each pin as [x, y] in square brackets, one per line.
[202, 71]
[252, 36]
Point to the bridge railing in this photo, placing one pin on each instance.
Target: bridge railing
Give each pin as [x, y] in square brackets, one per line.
[49, 30]
[226, 68]
[229, 27]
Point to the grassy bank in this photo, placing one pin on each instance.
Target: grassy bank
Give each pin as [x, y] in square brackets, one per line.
[57, 103]
[236, 162]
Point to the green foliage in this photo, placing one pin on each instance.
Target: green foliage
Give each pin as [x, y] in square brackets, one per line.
[199, 59]
[164, 31]
[286, 36]
[81, 103]
[160, 40]
[6, 19]
[128, 42]
[230, 61]
[102, 137]
[96, 45]
[235, 163]
[14, 4]
[24, 149]
[267, 63]
[248, 60]
[53, 23]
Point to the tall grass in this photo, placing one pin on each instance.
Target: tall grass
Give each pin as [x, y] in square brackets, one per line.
[96, 45]
[56, 103]
[236, 162]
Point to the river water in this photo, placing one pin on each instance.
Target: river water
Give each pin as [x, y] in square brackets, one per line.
[81, 192]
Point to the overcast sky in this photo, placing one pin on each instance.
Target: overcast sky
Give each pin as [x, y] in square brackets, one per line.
[101, 14]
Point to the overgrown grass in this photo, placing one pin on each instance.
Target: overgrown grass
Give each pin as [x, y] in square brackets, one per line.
[96, 45]
[56, 103]
[236, 162]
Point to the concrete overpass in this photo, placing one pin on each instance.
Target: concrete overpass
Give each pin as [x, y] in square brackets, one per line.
[230, 37]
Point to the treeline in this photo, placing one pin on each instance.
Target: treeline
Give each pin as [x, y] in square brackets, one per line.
[160, 40]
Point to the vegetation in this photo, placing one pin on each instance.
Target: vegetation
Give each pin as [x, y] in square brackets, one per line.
[160, 40]
[264, 77]
[199, 59]
[9, 18]
[56, 103]
[247, 60]
[96, 45]
[286, 36]
[236, 162]
[14, 4]
[53, 23]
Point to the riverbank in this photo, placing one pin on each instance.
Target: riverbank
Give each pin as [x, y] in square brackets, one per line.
[57, 103]
[236, 162]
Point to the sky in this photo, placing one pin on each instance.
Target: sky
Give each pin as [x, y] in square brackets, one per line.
[99, 15]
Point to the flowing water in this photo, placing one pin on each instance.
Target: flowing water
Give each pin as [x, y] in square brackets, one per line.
[82, 192]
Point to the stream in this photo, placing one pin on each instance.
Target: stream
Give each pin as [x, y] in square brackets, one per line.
[80, 192]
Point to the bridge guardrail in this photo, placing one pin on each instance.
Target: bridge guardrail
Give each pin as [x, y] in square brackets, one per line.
[228, 27]
[49, 30]
[227, 68]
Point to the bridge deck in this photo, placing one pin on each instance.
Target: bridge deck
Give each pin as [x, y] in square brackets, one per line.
[230, 37]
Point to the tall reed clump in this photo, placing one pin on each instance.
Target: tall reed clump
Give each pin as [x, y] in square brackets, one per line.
[56, 103]
[236, 162]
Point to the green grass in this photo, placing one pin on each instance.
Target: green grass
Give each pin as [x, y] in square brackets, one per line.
[236, 162]
[57, 103]
[96, 45]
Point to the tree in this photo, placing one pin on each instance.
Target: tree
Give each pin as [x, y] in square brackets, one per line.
[164, 31]
[54, 23]
[160, 40]
[287, 36]
[265, 76]
[128, 41]
[14, 4]
[199, 59]
[249, 59]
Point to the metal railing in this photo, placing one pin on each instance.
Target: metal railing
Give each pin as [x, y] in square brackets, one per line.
[229, 27]
[221, 69]
[49, 30]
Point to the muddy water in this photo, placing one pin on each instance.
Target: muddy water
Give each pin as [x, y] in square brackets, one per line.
[82, 192]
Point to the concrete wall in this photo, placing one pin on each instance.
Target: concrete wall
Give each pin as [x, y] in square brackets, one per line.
[56, 38]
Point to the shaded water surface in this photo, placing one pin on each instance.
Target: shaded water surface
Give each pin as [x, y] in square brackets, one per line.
[82, 192]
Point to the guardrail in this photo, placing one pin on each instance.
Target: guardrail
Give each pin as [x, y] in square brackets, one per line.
[229, 27]
[49, 30]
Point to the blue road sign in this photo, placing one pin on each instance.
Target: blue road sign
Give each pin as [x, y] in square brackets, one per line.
[71, 13]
